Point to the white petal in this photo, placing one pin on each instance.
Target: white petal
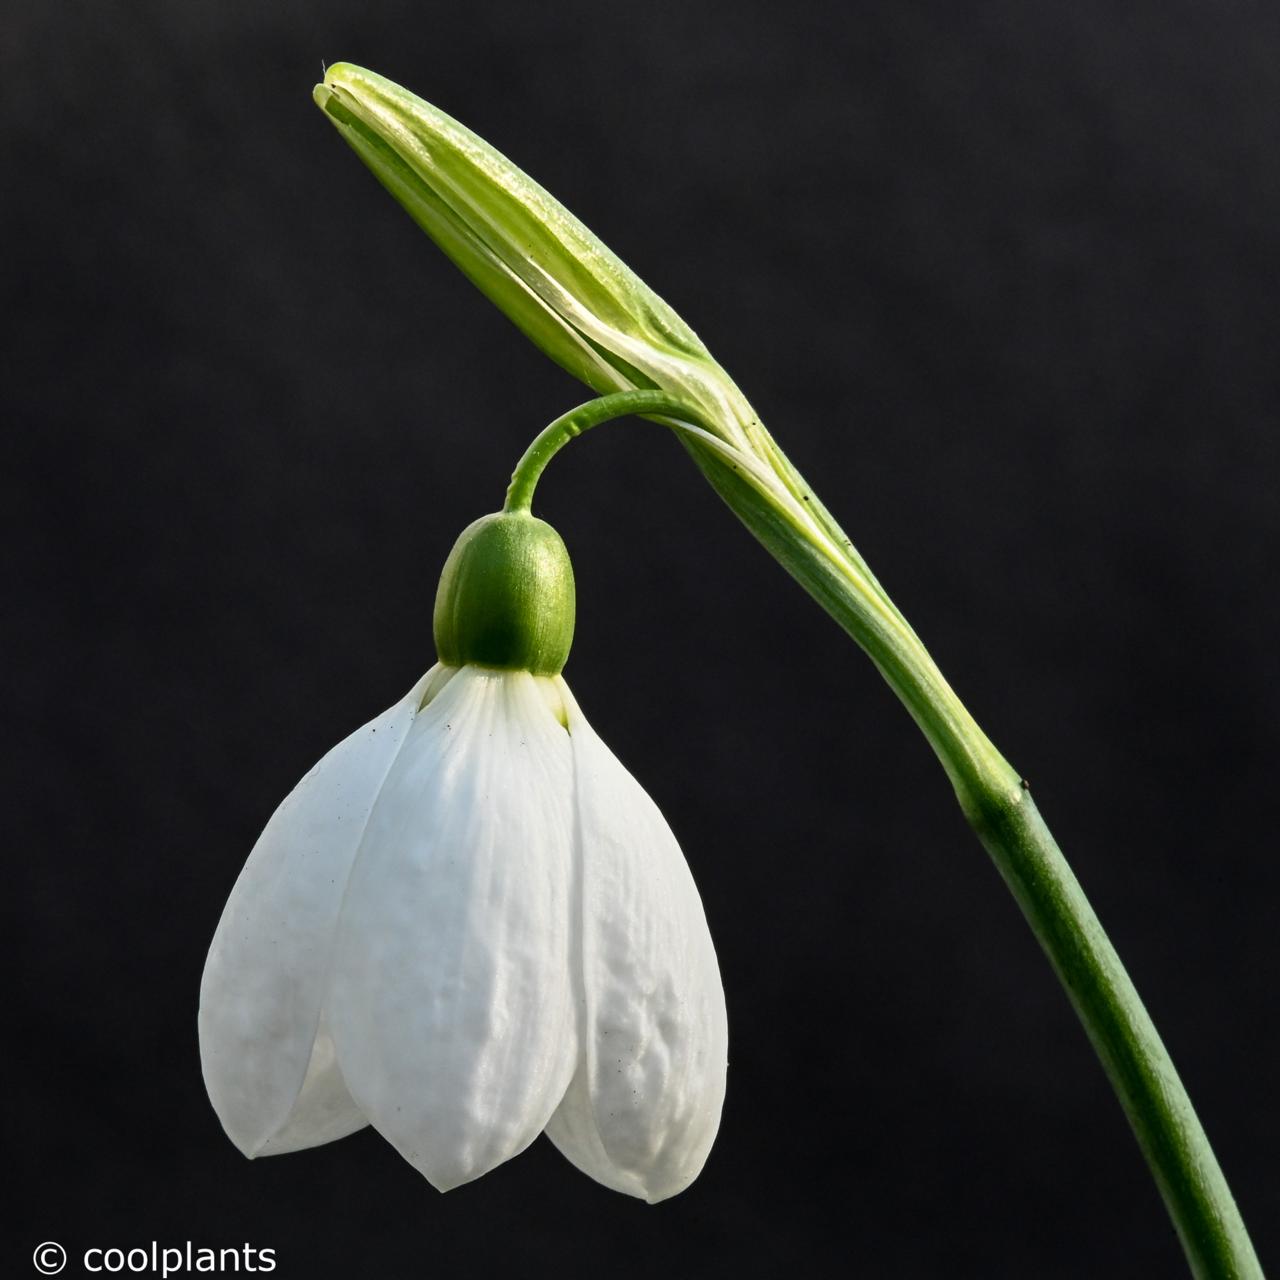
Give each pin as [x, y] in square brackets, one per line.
[324, 1110]
[645, 1103]
[267, 972]
[451, 1007]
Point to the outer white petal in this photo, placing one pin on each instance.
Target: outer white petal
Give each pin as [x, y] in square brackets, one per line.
[644, 1106]
[267, 973]
[451, 1007]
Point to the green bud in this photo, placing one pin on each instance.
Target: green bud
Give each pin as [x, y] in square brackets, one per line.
[506, 596]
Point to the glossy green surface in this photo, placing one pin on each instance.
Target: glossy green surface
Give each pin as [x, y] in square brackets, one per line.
[506, 597]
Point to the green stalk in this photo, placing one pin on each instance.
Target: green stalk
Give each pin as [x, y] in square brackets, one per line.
[998, 806]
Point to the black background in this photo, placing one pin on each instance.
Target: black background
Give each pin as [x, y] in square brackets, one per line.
[1001, 278]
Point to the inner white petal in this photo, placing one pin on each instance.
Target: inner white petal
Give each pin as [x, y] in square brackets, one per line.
[324, 1111]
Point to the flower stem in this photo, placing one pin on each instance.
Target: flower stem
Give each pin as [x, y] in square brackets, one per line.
[780, 509]
[1172, 1139]
[999, 808]
[551, 439]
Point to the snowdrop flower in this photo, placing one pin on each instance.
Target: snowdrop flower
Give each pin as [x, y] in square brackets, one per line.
[469, 924]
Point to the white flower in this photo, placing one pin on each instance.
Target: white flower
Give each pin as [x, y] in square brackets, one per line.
[467, 924]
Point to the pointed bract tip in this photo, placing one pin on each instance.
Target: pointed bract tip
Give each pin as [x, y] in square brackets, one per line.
[340, 76]
[338, 73]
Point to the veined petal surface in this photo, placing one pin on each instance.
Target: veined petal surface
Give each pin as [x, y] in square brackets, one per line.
[266, 974]
[644, 1105]
[451, 1007]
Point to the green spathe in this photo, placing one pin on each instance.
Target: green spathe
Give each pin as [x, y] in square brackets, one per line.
[565, 289]
[506, 597]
